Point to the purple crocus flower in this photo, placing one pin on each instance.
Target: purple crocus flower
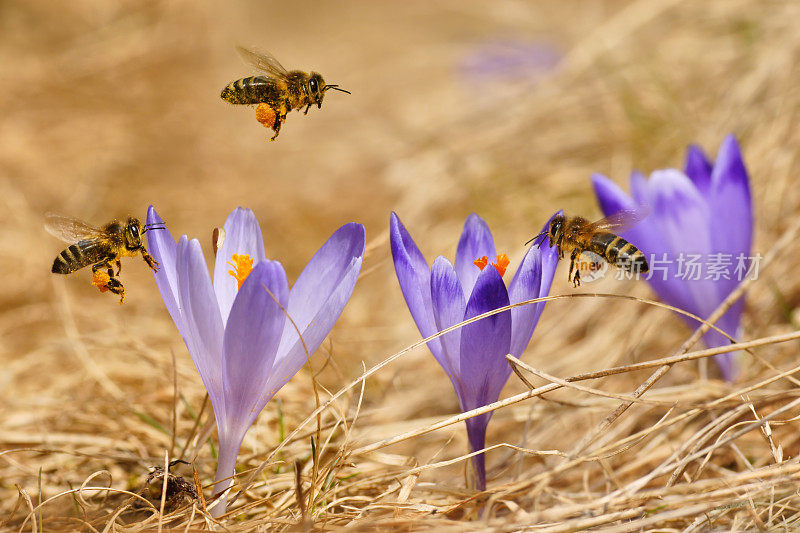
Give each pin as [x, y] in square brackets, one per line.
[703, 212]
[236, 327]
[444, 295]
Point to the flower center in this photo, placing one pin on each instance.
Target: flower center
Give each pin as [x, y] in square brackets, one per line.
[501, 263]
[242, 265]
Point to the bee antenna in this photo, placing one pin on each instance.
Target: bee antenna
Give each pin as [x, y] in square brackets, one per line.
[336, 88]
[542, 234]
[157, 225]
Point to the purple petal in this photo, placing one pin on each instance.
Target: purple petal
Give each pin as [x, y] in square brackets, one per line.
[682, 218]
[204, 330]
[476, 241]
[484, 344]
[414, 277]
[242, 236]
[162, 247]
[252, 337]
[317, 300]
[532, 279]
[448, 310]
[698, 168]
[476, 433]
[731, 207]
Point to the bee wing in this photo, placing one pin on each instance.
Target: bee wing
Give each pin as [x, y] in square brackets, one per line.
[263, 61]
[70, 229]
[621, 220]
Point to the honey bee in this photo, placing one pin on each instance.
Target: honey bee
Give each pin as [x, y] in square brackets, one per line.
[277, 93]
[576, 235]
[100, 247]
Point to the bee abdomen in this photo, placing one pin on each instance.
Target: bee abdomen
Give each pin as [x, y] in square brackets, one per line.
[251, 90]
[69, 260]
[619, 252]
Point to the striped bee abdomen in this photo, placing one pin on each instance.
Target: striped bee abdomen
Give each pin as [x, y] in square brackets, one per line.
[77, 256]
[252, 90]
[69, 260]
[618, 252]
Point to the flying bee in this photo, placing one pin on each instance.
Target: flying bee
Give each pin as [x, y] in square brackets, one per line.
[576, 235]
[100, 247]
[277, 93]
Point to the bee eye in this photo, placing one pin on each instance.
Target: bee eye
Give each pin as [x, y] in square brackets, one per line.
[312, 85]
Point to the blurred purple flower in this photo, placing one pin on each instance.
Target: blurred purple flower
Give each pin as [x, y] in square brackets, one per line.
[443, 295]
[509, 60]
[237, 333]
[705, 210]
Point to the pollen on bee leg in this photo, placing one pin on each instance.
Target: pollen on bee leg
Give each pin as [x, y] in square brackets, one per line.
[242, 265]
[100, 280]
[265, 115]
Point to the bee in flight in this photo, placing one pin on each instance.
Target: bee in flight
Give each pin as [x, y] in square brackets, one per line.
[576, 235]
[100, 247]
[277, 93]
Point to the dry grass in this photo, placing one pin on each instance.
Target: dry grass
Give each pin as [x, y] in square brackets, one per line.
[108, 107]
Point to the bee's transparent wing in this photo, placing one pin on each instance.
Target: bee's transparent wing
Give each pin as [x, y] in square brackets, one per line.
[621, 220]
[263, 61]
[70, 229]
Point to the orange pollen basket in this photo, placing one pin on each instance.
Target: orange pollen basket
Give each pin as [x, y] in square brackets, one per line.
[100, 280]
[242, 265]
[501, 263]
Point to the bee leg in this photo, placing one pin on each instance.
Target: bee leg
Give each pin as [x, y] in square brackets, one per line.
[277, 126]
[307, 108]
[152, 263]
[115, 286]
[119, 267]
[576, 279]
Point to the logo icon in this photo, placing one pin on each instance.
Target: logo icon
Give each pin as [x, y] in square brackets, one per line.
[591, 266]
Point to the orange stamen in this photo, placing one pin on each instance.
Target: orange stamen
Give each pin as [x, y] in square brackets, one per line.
[242, 265]
[501, 263]
[481, 262]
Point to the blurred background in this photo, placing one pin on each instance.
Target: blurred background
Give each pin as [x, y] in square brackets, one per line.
[504, 109]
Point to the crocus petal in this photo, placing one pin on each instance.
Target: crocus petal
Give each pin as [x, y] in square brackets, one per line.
[204, 330]
[683, 219]
[242, 236]
[645, 235]
[485, 343]
[317, 300]
[162, 247]
[449, 306]
[698, 168]
[532, 279]
[414, 277]
[476, 241]
[731, 208]
[252, 337]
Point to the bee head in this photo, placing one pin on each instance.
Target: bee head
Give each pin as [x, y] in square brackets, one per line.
[556, 229]
[133, 233]
[316, 89]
